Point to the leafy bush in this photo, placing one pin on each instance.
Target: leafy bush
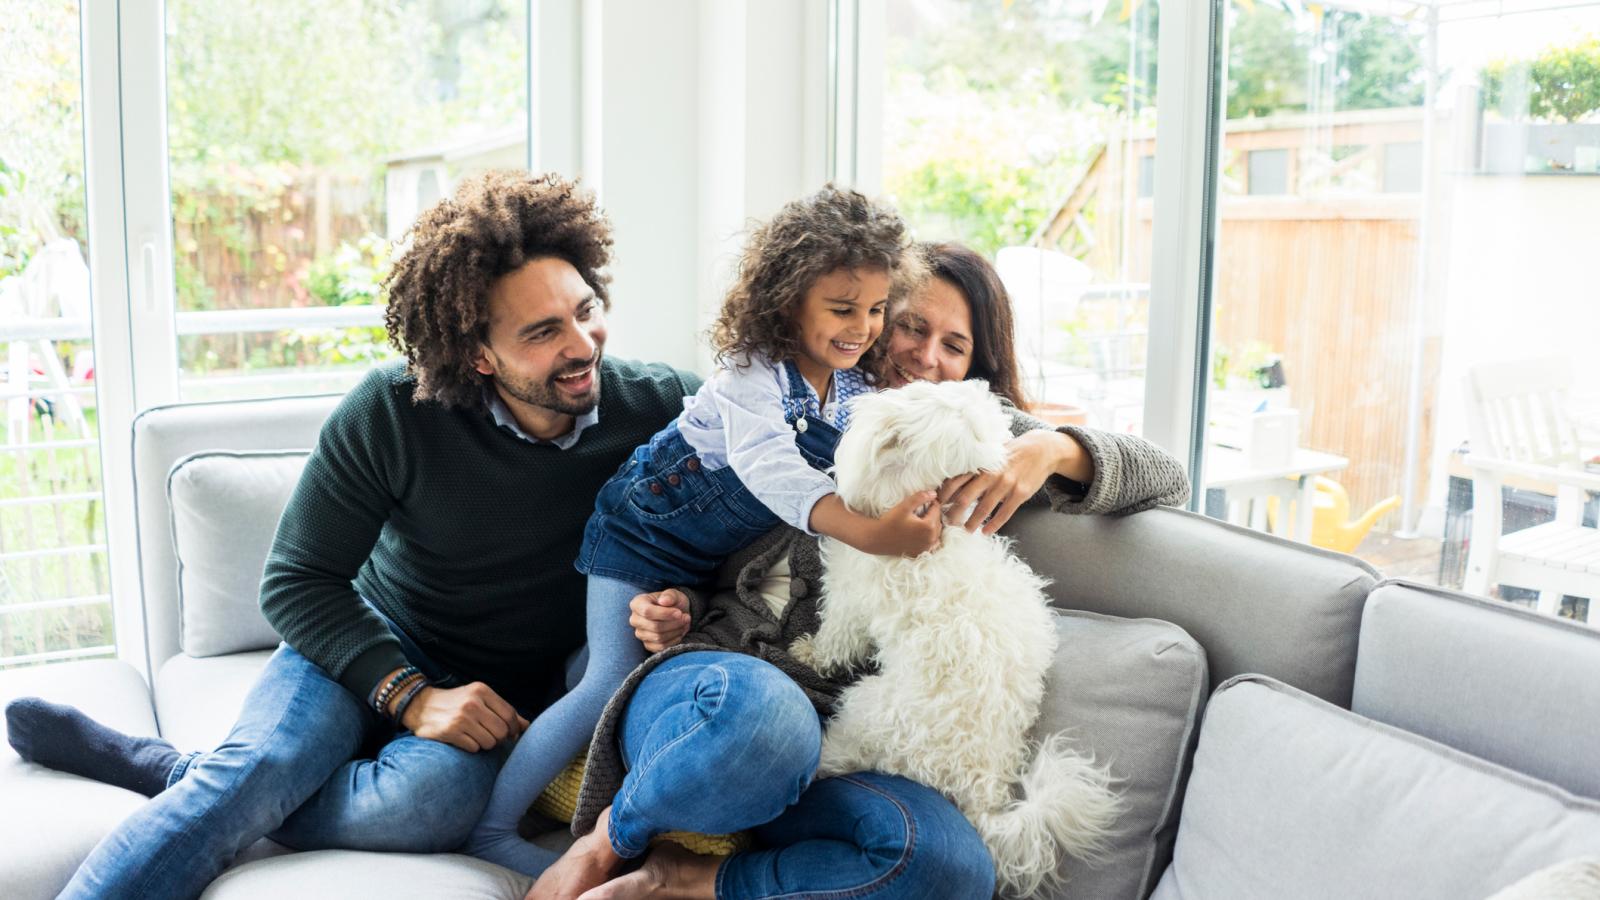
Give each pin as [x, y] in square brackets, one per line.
[1560, 83]
[351, 276]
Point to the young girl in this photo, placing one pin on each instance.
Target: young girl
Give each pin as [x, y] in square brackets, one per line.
[749, 451]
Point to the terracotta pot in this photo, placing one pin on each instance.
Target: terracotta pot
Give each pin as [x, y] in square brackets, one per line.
[1061, 413]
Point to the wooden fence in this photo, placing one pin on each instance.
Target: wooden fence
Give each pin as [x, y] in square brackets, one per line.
[253, 248]
[1330, 286]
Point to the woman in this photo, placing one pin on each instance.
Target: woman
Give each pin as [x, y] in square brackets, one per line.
[720, 729]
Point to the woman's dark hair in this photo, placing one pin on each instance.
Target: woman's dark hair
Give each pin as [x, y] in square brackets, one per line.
[438, 313]
[832, 229]
[994, 356]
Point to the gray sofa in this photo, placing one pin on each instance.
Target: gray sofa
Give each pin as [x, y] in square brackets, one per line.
[1365, 738]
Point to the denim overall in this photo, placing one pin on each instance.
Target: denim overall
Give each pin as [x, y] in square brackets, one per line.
[664, 519]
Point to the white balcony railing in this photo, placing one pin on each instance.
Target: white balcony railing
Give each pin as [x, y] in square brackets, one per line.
[55, 480]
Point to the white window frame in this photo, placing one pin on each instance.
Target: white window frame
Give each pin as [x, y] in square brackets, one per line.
[135, 320]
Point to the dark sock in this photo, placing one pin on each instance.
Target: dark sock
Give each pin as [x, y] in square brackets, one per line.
[60, 737]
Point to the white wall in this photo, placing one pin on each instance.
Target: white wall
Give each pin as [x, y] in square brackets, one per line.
[707, 118]
[1521, 278]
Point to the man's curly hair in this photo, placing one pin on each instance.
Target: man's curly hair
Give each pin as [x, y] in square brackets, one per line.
[831, 229]
[438, 314]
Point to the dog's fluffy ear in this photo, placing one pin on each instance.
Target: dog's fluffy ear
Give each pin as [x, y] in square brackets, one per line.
[869, 452]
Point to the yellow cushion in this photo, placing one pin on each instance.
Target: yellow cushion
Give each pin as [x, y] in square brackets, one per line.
[560, 801]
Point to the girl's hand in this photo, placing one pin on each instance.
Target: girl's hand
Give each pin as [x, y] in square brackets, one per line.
[910, 529]
[1030, 459]
[660, 619]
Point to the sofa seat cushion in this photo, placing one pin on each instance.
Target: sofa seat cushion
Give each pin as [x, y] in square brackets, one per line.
[348, 873]
[198, 698]
[1130, 692]
[51, 820]
[1494, 680]
[225, 510]
[1293, 797]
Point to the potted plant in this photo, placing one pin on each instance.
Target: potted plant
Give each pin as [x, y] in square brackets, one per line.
[1546, 105]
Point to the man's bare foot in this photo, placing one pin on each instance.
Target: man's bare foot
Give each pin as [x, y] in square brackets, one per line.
[589, 862]
[669, 873]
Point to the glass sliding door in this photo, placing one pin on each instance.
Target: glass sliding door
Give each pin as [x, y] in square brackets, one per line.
[1403, 289]
[1026, 131]
[303, 139]
[54, 583]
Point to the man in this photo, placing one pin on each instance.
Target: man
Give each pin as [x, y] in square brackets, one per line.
[421, 576]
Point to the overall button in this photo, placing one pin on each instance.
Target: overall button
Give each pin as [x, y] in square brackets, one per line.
[800, 426]
[692, 464]
[655, 487]
[673, 479]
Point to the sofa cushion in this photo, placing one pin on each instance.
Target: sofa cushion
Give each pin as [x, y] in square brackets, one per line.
[1257, 603]
[1495, 680]
[50, 821]
[225, 510]
[1130, 692]
[348, 873]
[164, 435]
[1293, 797]
[198, 698]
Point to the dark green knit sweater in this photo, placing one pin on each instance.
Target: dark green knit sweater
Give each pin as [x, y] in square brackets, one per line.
[460, 531]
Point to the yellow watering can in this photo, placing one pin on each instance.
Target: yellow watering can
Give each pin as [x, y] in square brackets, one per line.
[1331, 525]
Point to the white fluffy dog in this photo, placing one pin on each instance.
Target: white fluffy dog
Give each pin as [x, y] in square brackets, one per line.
[962, 637]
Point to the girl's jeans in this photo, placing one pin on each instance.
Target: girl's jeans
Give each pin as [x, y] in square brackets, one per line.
[718, 742]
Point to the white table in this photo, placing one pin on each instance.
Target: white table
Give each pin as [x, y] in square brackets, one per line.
[1248, 486]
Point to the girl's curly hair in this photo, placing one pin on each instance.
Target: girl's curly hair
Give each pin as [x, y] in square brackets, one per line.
[831, 229]
[438, 313]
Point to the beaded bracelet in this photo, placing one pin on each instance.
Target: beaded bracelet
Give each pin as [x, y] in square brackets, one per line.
[405, 699]
[381, 702]
[400, 690]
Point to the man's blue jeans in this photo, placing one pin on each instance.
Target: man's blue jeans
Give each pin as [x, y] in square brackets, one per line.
[718, 742]
[288, 771]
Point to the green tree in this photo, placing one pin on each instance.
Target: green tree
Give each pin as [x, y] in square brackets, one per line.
[41, 130]
[1376, 61]
[993, 108]
[1561, 82]
[1267, 63]
[1381, 62]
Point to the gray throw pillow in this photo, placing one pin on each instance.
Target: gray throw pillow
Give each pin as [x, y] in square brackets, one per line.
[225, 510]
[1128, 691]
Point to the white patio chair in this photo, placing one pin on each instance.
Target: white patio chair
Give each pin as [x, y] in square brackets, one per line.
[1521, 429]
[54, 285]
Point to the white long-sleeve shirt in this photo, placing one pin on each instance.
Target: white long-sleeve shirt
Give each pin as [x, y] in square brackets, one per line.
[736, 419]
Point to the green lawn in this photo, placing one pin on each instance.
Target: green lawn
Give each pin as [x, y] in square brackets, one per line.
[52, 472]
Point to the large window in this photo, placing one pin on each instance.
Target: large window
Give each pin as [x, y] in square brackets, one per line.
[1395, 242]
[54, 592]
[1404, 295]
[1026, 131]
[304, 138]
[301, 140]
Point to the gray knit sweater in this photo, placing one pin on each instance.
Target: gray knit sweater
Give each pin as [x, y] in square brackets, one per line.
[1130, 474]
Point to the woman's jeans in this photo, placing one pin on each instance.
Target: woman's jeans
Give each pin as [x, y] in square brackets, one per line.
[718, 742]
[288, 771]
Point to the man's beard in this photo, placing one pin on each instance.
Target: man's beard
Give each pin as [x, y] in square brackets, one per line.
[547, 396]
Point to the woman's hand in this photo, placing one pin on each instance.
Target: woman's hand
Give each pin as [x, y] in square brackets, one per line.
[660, 619]
[1031, 458]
